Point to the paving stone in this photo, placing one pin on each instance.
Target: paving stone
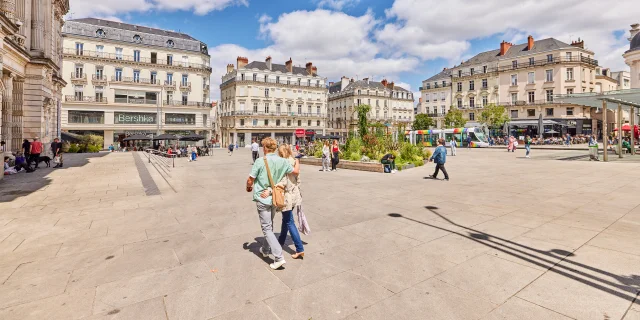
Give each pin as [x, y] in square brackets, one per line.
[628, 244]
[258, 311]
[74, 305]
[456, 248]
[32, 289]
[381, 246]
[149, 309]
[530, 252]
[563, 235]
[516, 308]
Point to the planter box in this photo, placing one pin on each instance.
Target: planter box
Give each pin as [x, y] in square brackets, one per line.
[346, 164]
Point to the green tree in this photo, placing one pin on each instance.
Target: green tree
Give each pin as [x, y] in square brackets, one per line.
[454, 118]
[422, 122]
[363, 111]
[494, 116]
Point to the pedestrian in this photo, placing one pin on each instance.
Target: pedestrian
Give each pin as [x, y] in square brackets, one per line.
[255, 151]
[468, 142]
[390, 160]
[230, 149]
[453, 145]
[194, 153]
[326, 156]
[335, 155]
[511, 147]
[439, 157]
[2, 147]
[36, 149]
[26, 150]
[593, 148]
[56, 150]
[272, 168]
[527, 145]
[292, 200]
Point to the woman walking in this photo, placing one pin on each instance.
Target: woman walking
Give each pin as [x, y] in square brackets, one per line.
[527, 145]
[335, 159]
[511, 146]
[292, 200]
[326, 156]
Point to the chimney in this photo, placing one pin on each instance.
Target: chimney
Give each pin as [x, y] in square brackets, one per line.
[420, 100]
[392, 85]
[242, 61]
[530, 43]
[351, 81]
[635, 29]
[366, 80]
[578, 44]
[229, 68]
[315, 70]
[289, 65]
[268, 62]
[445, 68]
[504, 47]
[344, 82]
[309, 66]
[384, 82]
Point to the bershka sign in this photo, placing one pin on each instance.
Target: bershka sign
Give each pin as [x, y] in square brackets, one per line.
[134, 118]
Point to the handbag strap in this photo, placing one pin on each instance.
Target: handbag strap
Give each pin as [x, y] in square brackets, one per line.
[266, 164]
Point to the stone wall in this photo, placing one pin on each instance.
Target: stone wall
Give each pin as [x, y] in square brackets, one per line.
[351, 165]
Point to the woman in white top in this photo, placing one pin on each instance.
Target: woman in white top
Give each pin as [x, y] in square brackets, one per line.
[326, 156]
[292, 199]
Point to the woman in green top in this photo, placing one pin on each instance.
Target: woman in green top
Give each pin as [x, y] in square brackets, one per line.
[527, 145]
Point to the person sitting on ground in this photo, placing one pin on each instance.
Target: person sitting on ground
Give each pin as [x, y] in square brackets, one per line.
[389, 159]
[626, 145]
[8, 169]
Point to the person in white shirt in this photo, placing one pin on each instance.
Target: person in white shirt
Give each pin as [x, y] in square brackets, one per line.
[453, 145]
[255, 151]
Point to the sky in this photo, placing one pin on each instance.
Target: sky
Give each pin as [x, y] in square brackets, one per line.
[404, 41]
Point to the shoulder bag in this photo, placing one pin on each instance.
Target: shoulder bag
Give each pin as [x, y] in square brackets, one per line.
[277, 192]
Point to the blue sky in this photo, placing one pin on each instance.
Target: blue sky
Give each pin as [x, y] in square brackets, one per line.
[405, 41]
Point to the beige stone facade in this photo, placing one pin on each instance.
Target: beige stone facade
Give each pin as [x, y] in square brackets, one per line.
[116, 72]
[30, 62]
[390, 104]
[436, 96]
[262, 99]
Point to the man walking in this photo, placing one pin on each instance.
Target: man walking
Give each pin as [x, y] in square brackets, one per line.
[257, 182]
[468, 142]
[440, 157]
[255, 151]
[454, 145]
[36, 149]
[56, 150]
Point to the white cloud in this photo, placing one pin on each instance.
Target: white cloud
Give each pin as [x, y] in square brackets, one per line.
[87, 8]
[337, 4]
[432, 23]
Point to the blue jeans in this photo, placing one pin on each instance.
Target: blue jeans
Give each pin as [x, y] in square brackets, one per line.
[528, 147]
[193, 156]
[288, 224]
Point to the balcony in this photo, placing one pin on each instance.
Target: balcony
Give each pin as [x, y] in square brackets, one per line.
[131, 100]
[277, 114]
[84, 99]
[545, 62]
[98, 79]
[185, 86]
[134, 80]
[186, 103]
[530, 103]
[169, 85]
[79, 78]
[95, 55]
[474, 73]
[291, 83]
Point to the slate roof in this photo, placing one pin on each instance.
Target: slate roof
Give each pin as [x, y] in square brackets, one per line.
[132, 27]
[261, 65]
[515, 51]
[364, 85]
[635, 43]
[445, 74]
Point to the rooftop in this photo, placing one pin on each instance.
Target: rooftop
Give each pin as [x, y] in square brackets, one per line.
[261, 65]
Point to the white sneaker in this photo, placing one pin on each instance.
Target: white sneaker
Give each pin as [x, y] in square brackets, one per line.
[264, 255]
[277, 265]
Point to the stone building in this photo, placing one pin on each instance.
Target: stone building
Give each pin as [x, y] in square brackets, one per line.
[390, 104]
[632, 56]
[436, 96]
[264, 99]
[125, 79]
[30, 63]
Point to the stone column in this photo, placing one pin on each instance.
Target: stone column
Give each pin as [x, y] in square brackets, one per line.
[37, 25]
[7, 110]
[604, 130]
[16, 116]
[632, 120]
[619, 130]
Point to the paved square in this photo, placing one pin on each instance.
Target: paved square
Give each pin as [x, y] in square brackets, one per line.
[112, 236]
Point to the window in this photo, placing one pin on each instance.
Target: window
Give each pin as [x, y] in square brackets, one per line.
[569, 73]
[136, 55]
[277, 79]
[100, 33]
[254, 122]
[568, 56]
[472, 102]
[118, 74]
[154, 57]
[318, 110]
[137, 39]
[86, 116]
[278, 108]
[514, 79]
[471, 85]
[459, 73]
[309, 110]
[79, 71]
[299, 109]
[242, 122]
[169, 78]
[78, 93]
[170, 43]
[154, 77]
[266, 108]
[484, 69]
[514, 98]
[514, 114]
[549, 95]
[532, 96]
[459, 86]
[426, 97]
[472, 116]
[444, 83]
[317, 123]
[308, 83]
[471, 71]
[531, 112]
[299, 81]
[299, 123]
[99, 51]
[99, 93]
[169, 60]
[266, 92]
[136, 76]
[185, 80]
[266, 122]
[288, 123]
[549, 58]
[549, 74]
[514, 64]
[485, 101]
[570, 91]
[308, 123]
[570, 111]
[99, 73]
[549, 111]
[531, 77]
[185, 98]
[442, 109]
[532, 61]
[289, 109]
[485, 84]
[443, 96]
[459, 103]
[277, 122]
[255, 107]
[79, 48]
[169, 96]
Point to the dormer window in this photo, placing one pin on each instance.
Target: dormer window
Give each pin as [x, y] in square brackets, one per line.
[137, 39]
[170, 43]
[100, 33]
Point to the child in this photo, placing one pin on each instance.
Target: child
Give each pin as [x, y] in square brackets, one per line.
[439, 157]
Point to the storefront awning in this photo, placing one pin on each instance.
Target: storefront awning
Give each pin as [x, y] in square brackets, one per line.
[626, 98]
[534, 123]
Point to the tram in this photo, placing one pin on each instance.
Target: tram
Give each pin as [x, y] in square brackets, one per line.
[429, 138]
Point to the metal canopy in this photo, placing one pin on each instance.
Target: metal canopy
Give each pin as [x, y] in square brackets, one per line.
[627, 98]
[534, 123]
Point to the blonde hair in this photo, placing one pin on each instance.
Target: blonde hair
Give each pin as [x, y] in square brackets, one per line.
[285, 151]
[326, 143]
[270, 144]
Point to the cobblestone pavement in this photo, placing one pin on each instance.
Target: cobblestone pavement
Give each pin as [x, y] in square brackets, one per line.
[506, 238]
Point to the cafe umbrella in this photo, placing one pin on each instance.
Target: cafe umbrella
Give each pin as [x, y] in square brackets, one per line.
[192, 137]
[137, 137]
[165, 136]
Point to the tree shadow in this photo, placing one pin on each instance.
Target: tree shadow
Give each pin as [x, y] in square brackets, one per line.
[539, 257]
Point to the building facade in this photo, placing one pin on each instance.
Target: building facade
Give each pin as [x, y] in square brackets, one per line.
[391, 105]
[264, 99]
[125, 79]
[436, 96]
[30, 63]
[632, 56]
[623, 79]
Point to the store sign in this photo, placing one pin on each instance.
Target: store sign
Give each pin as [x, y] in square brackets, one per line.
[300, 132]
[310, 133]
[134, 118]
